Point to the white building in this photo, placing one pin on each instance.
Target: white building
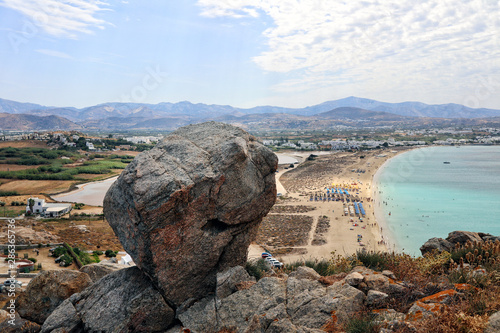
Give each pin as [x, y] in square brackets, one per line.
[90, 145]
[127, 260]
[48, 209]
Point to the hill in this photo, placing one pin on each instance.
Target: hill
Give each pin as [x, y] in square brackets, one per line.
[27, 122]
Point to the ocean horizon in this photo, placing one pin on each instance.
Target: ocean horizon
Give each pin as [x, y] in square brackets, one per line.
[418, 196]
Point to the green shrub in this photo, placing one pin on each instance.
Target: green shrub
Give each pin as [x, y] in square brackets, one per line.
[8, 193]
[96, 257]
[257, 268]
[322, 267]
[85, 258]
[110, 253]
[97, 252]
[59, 251]
[67, 260]
[372, 259]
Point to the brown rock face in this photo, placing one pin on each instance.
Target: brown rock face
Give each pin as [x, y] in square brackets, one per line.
[190, 207]
[47, 290]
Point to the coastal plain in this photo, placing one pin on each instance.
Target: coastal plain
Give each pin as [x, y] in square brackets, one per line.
[298, 227]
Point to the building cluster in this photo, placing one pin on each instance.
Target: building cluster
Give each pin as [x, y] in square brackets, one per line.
[299, 145]
[143, 139]
[343, 144]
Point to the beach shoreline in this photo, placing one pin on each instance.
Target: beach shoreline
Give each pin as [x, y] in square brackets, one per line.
[347, 234]
[392, 243]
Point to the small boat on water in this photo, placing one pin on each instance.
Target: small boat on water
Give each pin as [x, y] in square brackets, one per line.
[446, 162]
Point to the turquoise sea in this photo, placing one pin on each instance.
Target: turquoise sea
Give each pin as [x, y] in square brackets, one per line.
[427, 198]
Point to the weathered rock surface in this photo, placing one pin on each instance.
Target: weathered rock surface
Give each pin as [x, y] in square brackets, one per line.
[99, 270]
[190, 207]
[285, 304]
[454, 237]
[435, 243]
[47, 290]
[463, 237]
[493, 323]
[374, 297]
[229, 280]
[123, 301]
[304, 272]
[19, 325]
[354, 278]
[4, 315]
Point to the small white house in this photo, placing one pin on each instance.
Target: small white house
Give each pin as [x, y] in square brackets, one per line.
[48, 209]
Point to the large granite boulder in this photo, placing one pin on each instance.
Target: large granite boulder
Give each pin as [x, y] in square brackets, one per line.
[190, 207]
[47, 290]
[463, 237]
[436, 244]
[122, 301]
[454, 237]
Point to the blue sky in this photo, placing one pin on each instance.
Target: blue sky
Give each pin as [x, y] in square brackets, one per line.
[245, 53]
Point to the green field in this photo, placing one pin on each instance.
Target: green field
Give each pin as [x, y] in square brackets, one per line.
[53, 164]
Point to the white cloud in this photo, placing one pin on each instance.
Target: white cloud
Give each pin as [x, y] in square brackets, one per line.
[54, 53]
[61, 18]
[374, 45]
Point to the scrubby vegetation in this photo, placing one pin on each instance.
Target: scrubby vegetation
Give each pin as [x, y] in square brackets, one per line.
[8, 193]
[472, 269]
[258, 268]
[110, 253]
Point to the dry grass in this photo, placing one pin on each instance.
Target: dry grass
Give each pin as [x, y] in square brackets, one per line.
[24, 144]
[35, 187]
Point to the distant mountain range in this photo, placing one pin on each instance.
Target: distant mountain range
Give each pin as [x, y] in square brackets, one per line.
[350, 111]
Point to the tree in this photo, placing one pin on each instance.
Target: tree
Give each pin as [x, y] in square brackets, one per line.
[385, 144]
[31, 203]
[81, 143]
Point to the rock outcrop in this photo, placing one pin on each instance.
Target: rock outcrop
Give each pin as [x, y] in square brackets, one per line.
[190, 207]
[47, 290]
[436, 244]
[454, 237]
[275, 304]
[18, 325]
[99, 270]
[493, 323]
[123, 301]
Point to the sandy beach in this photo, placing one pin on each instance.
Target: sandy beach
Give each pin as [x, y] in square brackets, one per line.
[298, 228]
